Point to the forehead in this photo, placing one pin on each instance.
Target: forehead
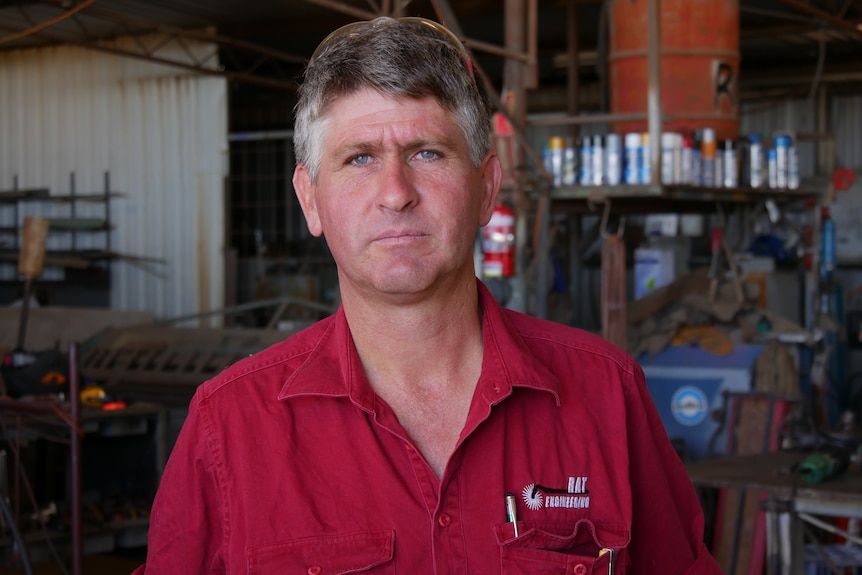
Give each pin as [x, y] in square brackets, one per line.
[367, 111]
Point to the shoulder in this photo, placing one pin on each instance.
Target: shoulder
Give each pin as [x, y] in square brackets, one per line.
[546, 337]
[272, 365]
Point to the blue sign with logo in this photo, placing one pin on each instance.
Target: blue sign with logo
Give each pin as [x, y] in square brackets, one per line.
[689, 405]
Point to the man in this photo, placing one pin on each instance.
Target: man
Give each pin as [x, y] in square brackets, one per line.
[422, 428]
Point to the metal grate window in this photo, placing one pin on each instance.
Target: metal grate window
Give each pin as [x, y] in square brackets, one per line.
[263, 209]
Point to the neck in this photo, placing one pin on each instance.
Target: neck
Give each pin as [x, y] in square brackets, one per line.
[435, 343]
[424, 361]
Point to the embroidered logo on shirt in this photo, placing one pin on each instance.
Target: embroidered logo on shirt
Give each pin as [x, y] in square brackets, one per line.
[575, 496]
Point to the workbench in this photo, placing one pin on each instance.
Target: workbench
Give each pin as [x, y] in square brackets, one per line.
[127, 471]
[790, 504]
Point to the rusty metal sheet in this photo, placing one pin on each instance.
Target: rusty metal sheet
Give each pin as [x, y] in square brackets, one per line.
[170, 356]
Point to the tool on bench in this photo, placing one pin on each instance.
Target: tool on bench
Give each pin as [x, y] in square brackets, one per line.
[42, 372]
[834, 451]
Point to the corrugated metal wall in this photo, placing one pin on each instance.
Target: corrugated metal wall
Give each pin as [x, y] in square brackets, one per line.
[847, 213]
[161, 134]
[847, 116]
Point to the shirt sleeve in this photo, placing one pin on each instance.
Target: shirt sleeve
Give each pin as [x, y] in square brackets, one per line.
[667, 518]
[186, 523]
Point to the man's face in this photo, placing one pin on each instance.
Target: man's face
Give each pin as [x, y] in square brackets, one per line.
[396, 196]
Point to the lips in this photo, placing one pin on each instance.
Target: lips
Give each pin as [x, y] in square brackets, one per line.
[399, 235]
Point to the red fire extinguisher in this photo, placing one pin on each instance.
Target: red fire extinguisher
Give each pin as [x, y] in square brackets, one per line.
[498, 243]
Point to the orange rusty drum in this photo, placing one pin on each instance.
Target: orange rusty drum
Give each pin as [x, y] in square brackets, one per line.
[699, 51]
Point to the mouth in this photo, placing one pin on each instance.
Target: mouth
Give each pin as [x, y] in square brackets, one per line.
[399, 236]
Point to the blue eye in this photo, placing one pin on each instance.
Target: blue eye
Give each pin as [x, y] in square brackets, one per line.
[360, 160]
[428, 155]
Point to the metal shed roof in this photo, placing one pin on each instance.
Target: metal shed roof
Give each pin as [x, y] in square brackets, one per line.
[782, 41]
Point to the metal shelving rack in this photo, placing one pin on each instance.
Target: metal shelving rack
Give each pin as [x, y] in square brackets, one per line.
[78, 422]
[654, 197]
[90, 264]
[69, 413]
[74, 223]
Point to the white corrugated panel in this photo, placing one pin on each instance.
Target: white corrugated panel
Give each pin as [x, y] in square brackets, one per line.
[161, 134]
[846, 116]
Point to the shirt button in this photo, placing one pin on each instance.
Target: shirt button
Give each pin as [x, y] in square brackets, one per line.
[444, 520]
[314, 570]
[580, 569]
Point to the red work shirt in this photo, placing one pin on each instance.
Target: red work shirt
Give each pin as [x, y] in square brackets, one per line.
[289, 463]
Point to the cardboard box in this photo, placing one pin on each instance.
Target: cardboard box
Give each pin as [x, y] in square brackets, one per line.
[654, 268]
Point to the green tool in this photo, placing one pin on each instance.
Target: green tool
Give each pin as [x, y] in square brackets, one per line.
[820, 466]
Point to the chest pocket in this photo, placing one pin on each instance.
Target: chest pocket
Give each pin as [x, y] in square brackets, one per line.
[546, 548]
[366, 552]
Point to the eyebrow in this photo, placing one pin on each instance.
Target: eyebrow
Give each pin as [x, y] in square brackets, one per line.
[367, 146]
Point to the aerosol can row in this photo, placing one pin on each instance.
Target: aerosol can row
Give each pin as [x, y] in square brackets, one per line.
[697, 159]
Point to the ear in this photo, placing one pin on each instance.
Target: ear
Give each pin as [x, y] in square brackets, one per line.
[492, 176]
[306, 194]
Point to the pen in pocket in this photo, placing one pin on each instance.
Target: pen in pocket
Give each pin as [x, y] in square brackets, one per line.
[511, 512]
[604, 551]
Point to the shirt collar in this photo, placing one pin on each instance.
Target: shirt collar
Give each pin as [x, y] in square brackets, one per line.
[508, 360]
[333, 368]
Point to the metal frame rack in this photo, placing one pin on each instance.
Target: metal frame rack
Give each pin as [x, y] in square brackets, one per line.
[66, 229]
[20, 419]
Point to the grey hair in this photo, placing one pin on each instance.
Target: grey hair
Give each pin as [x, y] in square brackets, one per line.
[397, 58]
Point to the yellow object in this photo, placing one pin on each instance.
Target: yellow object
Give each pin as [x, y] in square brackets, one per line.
[93, 396]
[707, 337]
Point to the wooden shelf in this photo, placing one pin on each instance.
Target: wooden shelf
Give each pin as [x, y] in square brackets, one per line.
[43, 196]
[680, 197]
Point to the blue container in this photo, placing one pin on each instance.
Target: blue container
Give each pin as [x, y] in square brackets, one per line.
[686, 384]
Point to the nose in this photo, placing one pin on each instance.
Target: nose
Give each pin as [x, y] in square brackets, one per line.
[397, 190]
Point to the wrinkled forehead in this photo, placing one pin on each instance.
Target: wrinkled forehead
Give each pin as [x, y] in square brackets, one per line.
[337, 95]
[371, 107]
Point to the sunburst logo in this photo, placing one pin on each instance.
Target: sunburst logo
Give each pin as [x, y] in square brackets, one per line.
[533, 498]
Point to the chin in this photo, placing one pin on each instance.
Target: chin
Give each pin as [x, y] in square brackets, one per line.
[402, 286]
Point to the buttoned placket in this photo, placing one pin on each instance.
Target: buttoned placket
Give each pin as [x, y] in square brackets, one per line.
[441, 500]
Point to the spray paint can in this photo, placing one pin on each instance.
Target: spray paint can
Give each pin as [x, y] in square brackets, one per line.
[755, 161]
[631, 158]
[772, 167]
[730, 164]
[598, 161]
[645, 161]
[613, 159]
[782, 159]
[685, 161]
[570, 164]
[707, 155]
[557, 146]
[586, 162]
[546, 158]
[667, 151]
